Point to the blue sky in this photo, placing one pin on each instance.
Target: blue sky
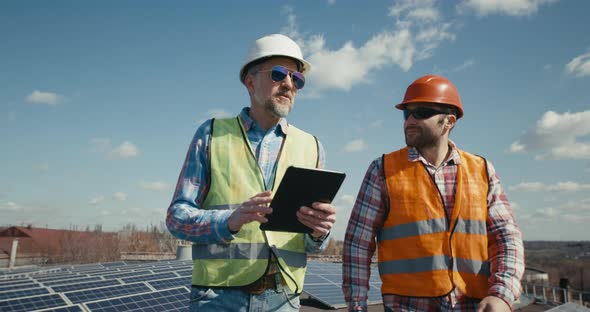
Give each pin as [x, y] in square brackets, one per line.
[99, 100]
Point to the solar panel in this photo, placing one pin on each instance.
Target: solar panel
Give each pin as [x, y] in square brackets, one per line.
[74, 308]
[126, 274]
[55, 277]
[23, 293]
[165, 300]
[106, 292]
[188, 272]
[21, 286]
[15, 282]
[323, 282]
[27, 304]
[80, 286]
[114, 264]
[171, 282]
[70, 281]
[149, 277]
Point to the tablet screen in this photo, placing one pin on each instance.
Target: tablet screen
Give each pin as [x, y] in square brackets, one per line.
[300, 187]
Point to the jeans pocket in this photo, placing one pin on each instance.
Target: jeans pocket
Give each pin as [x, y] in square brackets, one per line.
[292, 299]
[202, 294]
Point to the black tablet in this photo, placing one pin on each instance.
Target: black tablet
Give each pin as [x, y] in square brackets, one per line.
[300, 187]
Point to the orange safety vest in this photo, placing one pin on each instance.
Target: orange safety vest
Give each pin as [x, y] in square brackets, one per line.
[422, 251]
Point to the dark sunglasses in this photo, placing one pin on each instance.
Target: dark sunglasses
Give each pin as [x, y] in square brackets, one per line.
[422, 113]
[279, 73]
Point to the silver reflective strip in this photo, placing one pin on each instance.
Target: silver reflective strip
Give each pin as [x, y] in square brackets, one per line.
[472, 266]
[471, 227]
[415, 265]
[223, 207]
[292, 258]
[414, 229]
[231, 251]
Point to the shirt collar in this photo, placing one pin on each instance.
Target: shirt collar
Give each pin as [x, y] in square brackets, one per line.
[249, 123]
[414, 155]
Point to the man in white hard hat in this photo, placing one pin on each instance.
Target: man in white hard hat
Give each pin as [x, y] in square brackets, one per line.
[225, 187]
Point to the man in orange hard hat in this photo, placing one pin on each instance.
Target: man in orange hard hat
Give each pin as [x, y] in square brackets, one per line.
[438, 217]
[225, 187]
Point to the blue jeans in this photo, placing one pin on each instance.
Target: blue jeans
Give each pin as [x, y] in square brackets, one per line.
[204, 299]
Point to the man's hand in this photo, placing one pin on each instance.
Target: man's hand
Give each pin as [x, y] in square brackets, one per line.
[320, 218]
[492, 303]
[254, 209]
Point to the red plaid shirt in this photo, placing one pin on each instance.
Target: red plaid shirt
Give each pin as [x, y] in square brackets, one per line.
[506, 256]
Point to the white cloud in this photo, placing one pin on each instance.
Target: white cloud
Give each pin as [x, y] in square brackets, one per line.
[572, 211]
[579, 65]
[558, 187]
[40, 97]
[355, 146]
[417, 31]
[10, 206]
[556, 135]
[157, 186]
[120, 196]
[331, 2]
[96, 200]
[124, 151]
[464, 66]
[502, 7]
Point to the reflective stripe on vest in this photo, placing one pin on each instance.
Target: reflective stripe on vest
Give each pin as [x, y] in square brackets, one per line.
[420, 245]
[246, 251]
[235, 177]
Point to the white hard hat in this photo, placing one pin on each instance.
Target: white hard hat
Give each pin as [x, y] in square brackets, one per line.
[274, 45]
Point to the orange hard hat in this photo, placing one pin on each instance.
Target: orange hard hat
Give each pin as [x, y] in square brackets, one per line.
[432, 89]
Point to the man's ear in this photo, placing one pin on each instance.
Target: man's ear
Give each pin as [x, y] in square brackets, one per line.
[451, 120]
[249, 82]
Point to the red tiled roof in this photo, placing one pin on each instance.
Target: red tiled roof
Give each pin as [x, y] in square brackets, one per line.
[39, 241]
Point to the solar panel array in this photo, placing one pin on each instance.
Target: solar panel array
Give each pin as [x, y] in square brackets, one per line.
[323, 282]
[113, 286]
[121, 286]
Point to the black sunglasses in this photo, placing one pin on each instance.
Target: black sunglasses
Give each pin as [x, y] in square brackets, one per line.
[422, 113]
[279, 73]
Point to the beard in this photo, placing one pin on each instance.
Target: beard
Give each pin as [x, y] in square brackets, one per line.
[421, 137]
[280, 110]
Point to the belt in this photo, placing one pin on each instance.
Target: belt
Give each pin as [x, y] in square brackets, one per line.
[272, 281]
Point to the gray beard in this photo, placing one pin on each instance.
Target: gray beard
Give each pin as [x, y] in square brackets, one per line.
[280, 111]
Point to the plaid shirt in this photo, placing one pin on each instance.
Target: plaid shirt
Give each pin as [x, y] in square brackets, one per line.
[368, 215]
[186, 220]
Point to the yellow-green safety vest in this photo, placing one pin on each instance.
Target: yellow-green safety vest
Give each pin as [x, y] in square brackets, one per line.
[235, 177]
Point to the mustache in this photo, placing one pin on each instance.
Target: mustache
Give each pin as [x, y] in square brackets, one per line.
[287, 94]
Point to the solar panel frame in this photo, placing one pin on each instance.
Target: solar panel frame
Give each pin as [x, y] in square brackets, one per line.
[26, 304]
[16, 282]
[27, 292]
[88, 285]
[175, 299]
[71, 281]
[100, 293]
[22, 286]
[149, 277]
[170, 282]
[125, 274]
[71, 308]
